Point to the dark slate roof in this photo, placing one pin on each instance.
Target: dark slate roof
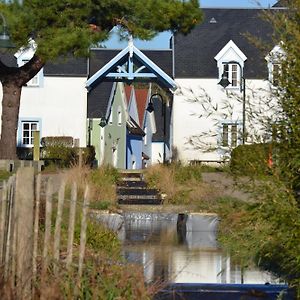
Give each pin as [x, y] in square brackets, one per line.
[159, 121]
[194, 53]
[8, 59]
[69, 66]
[281, 3]
[98, 99]
[99, 96]
[100, 57]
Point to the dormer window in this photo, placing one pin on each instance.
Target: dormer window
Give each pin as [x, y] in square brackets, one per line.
[230, 64]
[274, 59]
[276, 73]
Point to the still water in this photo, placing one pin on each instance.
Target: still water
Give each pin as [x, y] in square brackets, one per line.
[180, 249]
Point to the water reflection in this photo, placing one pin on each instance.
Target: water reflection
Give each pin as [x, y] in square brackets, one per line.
[178, 248]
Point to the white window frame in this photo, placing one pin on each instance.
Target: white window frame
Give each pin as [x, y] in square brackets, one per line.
[233, 73]
[230, 135]
[30, 131]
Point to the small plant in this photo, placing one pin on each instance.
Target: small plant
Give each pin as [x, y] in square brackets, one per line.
[103, 182]
[100, 205]
[4, 175]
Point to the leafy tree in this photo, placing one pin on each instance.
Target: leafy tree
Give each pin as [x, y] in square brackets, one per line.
[287, 129]
[269, 229]
[63, 27]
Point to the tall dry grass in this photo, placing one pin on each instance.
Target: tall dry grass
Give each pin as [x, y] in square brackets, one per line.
[101, 181]
[180, 185]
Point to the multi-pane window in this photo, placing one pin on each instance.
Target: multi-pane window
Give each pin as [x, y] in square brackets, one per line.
[229, 135]
[234, 75]
[28, 127]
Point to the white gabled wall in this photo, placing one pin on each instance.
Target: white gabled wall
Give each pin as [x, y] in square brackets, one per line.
[199, 108]
[60, 105]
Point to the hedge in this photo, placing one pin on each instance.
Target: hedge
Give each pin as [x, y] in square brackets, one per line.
[251, 160]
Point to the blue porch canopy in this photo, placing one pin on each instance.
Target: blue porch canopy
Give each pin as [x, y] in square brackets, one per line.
[131, 65]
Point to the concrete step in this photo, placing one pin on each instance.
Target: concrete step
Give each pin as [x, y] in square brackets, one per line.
[141, 201]
[138, 175]
[132, 190]
[135, 191]
[143, 196]
[130, 178]
[132, 184]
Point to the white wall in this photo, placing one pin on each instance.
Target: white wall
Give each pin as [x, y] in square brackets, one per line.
[61, 104]
[158, 153]
[200, 106]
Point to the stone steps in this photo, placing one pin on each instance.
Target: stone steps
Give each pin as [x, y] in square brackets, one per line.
[133, 190]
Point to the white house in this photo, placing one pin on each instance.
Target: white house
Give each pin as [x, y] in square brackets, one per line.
[54, 101]
[208, 119]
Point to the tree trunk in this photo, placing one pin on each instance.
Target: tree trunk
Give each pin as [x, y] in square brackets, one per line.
[12, 80]
[9, 120]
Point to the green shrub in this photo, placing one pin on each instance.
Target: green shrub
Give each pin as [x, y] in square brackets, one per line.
[99, 239]
[250, 160]
[60, 155]
[88, 155]
[58, 151]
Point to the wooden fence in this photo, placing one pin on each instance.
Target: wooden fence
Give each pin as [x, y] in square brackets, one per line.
[24, 246]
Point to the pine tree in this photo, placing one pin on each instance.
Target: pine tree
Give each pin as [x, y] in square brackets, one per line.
[64, 27]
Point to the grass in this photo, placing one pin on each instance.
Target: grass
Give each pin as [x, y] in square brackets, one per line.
[181, 185]
[102, 183]
[105, 274]
[4, 175]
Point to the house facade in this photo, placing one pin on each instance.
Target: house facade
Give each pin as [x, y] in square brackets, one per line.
[140, 123]
[208, 119]
[54, 101]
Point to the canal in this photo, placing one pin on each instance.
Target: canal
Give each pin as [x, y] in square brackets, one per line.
[181, 250]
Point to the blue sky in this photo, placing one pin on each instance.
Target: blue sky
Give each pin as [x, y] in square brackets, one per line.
[162, 40]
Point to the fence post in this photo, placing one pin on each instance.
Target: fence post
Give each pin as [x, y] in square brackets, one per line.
[2, 221]
[83, 230]
[61, 197]
[36, 224]
[36, 145]
[10, 233]
[47, 237]
[72, 217]
[24, 230]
